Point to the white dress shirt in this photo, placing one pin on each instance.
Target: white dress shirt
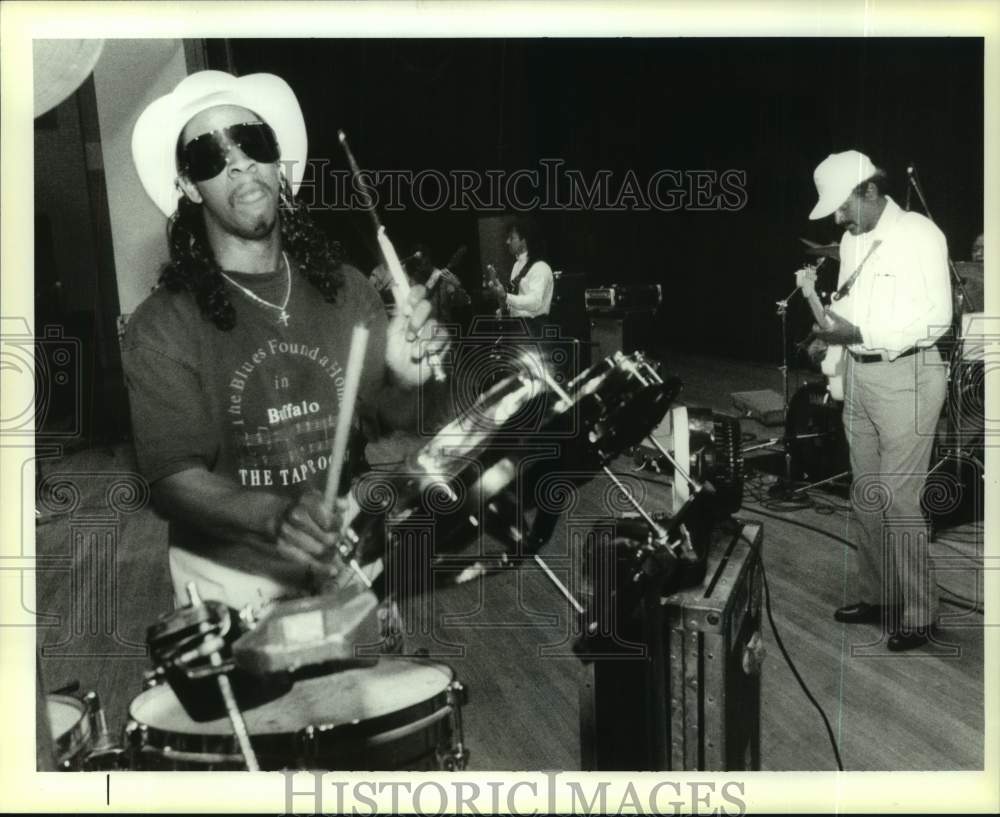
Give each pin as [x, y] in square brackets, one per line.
[534, 290]
[902, 296]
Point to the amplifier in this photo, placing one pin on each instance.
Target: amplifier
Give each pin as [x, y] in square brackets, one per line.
[617, 298]
[685, 693]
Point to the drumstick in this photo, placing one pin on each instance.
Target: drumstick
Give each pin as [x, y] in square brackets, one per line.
[401, 284]
[352, 379]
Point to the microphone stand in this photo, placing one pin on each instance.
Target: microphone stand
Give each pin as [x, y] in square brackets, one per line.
[783, 368]
[956, 320]
[786, 439]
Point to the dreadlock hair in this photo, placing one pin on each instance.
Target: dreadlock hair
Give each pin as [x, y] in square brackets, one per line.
[193, 268]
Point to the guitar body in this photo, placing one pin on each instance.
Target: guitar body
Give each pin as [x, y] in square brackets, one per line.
[489, 278]
[834, 362]
[834, 366]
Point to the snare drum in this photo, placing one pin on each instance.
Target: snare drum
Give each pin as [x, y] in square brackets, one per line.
[72, 733]
[80, 738]
[401, 714]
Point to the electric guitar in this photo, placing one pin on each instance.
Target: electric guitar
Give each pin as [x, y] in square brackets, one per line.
[835, 360]
[489, 278]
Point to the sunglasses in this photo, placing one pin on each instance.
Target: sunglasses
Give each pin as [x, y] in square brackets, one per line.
[204, 157]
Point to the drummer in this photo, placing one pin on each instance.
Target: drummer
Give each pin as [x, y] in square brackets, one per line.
[235, 364]
[977, 249]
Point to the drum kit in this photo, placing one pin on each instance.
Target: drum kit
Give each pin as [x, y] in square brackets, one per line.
[303, 684]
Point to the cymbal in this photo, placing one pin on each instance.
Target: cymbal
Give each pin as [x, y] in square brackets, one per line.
[821, 250]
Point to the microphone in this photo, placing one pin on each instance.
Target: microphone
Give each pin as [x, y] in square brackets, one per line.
[909, 184]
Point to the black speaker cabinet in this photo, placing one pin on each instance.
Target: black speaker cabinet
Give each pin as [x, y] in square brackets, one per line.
[690, 699]
[624, 332]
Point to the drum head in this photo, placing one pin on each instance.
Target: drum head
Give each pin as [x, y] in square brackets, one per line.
[70, 728]
[64, 714]
[347, 697]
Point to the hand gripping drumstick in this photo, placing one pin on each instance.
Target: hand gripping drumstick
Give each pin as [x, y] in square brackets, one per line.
[228, 698]
[352, 379]
[401, 284]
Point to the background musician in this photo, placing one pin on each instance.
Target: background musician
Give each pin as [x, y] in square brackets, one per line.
[450, 303]
[529, 294]
[894, 266]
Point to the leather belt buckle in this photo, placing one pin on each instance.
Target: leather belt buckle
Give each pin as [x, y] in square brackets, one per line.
[878, 358]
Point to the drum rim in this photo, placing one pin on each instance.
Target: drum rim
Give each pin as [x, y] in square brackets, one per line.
[145, 737]
[74, 740]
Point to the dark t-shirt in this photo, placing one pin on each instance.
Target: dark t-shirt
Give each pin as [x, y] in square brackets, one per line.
[257, 404]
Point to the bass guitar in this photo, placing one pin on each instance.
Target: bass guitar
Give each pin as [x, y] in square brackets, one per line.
[835, 359]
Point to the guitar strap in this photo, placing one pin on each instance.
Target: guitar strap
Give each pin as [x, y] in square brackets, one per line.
[516, 282]
[846, 288]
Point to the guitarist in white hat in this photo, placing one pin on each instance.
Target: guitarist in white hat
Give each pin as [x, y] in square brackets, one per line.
[893, 302]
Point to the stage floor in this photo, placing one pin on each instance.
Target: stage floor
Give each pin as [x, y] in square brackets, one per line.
[103, 579]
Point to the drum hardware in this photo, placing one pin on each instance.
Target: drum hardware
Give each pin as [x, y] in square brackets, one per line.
[817, 250]
[666, 533]
[186, 647]
[180, 643]
[709, 444]
[105, 754]
[226, 689]
[401, 713]
[642, 568]
[66, 689]
[80, 736]
[612, 406]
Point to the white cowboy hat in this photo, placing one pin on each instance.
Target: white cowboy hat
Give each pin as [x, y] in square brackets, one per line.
[154, 138]
[836, 176]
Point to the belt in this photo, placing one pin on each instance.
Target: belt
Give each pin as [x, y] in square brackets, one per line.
[877, 358]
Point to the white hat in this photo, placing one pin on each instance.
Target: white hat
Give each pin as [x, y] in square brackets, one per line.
[154, 138]
[836, 176]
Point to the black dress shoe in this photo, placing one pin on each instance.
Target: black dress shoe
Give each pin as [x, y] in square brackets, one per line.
[862, 613]
[898, 642]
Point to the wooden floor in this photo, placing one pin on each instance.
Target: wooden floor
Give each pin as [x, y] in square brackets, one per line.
[103, 580]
